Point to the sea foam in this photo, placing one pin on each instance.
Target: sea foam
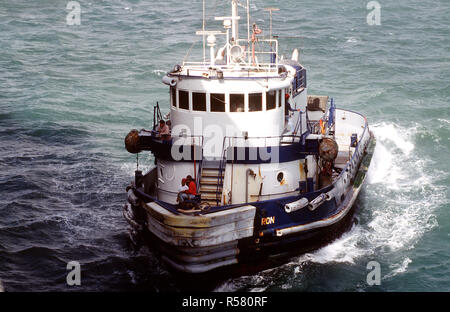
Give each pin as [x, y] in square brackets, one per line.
[398, 206]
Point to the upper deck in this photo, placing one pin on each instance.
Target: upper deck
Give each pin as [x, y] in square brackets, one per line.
[239, 59]
[232, 56]
[241, 88]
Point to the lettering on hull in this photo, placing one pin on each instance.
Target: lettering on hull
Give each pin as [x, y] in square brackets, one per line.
[268, 220]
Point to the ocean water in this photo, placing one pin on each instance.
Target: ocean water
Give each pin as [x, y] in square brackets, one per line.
[70, 93]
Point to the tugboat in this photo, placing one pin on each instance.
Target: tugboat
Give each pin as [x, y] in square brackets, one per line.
[265, 166]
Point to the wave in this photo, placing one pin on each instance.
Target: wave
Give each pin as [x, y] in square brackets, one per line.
[398, 204]
[159, 72]
[146, 162]
[398, 268]
[351, 39]
[401, 200]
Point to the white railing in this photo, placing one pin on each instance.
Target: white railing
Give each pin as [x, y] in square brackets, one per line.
[265, 60]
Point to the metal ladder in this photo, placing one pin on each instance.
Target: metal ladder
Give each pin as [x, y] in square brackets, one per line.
[211, 183]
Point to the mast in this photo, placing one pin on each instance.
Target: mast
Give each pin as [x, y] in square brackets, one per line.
[270, 10]
[248, 26]
[203, 29]
[234, 15]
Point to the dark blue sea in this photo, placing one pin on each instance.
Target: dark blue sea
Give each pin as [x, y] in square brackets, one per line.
[70, 93]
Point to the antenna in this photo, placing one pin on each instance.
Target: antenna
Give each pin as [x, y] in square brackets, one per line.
[235, 25]
[270, 10]
[227, 23]
[211, 41]
[203, 29]
[248, 27]
[248, 22]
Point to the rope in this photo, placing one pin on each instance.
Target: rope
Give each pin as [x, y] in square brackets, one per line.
[189, 51]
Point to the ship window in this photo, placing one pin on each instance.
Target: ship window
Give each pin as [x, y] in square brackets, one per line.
[217, 102]
[183, 99]
[280, 95]
[173, 96]
[255, 102]
[199, 101]
[271, 99]
[237, 103]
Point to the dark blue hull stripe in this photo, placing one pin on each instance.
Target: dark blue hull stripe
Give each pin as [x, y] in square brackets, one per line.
[237, 155]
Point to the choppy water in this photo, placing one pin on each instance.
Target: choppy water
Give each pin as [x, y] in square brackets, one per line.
[69, 95]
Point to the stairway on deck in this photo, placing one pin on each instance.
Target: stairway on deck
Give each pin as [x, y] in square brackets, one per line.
[209, 180]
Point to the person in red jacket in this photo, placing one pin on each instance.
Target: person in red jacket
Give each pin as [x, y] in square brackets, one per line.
[190, 192]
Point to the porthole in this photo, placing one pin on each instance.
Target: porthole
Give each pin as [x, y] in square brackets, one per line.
[280, 176]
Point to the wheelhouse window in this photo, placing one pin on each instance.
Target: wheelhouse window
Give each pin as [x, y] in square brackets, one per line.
[199, 101]
[183, 99]
[280, 97]
[271, 100]
[255, 102]
[173, 96]
[217, 102]
[287, 106]
[237, 103]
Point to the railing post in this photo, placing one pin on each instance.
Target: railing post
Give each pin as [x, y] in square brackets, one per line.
[331, 113]
[219, 177]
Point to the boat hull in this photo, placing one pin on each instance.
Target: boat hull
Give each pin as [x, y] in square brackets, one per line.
[247, 233]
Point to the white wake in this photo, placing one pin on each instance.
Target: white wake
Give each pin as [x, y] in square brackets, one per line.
[398, 204]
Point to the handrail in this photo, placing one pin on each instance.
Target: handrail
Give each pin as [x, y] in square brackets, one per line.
[268, 67]
[200, 168]
[355, 152]
[360, 145]
[178, 136]
[299, 122]
[263, 43]
[308, 123]
[200, 138]
[299, 81]
[222, 161]
[226, 143]
[219, 177]
[261, 137]
[331, 114]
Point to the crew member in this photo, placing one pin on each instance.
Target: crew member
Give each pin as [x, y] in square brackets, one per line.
[190, 193]
[162, 131]
[182, 189]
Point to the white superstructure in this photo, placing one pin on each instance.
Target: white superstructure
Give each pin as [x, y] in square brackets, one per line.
[243, 95]
[272, 166]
